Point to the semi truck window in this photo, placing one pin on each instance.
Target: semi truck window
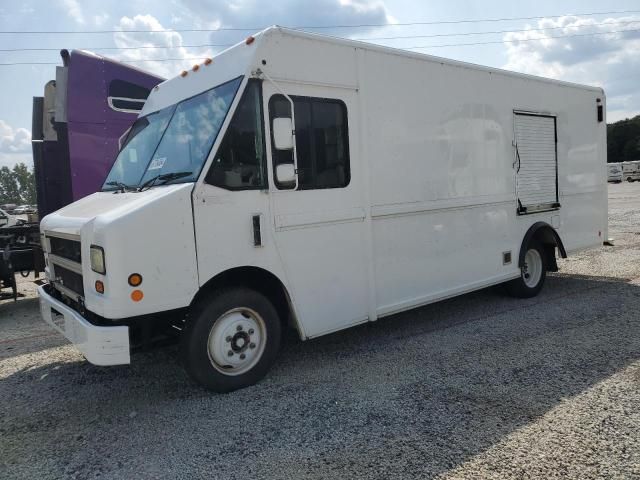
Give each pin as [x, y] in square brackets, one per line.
[239, 163]
[322, 142]
[126, 96]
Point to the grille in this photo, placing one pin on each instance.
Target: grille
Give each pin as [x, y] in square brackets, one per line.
[69, 249]
[69, 279]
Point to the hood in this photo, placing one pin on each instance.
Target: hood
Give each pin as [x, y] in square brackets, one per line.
[107, 205]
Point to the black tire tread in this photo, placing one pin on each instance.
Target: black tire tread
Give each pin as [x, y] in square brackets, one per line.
[517, 288]
[193, 350]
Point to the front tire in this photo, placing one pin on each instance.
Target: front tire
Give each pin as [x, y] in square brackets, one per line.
[231, 340]
[532, 274]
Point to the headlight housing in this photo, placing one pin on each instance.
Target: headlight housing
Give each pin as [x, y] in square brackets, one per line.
[96, 254]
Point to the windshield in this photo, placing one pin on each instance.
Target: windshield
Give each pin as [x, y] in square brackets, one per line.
[175, 139]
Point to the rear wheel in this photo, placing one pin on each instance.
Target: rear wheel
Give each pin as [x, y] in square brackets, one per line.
[231, 340]
[532, 273]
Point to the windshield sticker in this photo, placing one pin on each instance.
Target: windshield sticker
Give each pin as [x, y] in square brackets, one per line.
[157, 163]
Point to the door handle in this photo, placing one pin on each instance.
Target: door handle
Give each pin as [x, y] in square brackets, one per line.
[257, 234]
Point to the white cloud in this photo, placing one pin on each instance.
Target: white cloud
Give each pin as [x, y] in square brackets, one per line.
[73, 9]
[258, 14]
[609, 60]
[14, 140]
[15, 145]
[164, 38]
[213, 14]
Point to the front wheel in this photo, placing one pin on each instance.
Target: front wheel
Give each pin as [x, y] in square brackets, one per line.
[532, 273]
[231, 340]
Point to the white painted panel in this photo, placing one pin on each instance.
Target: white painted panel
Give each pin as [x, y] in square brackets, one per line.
[537, 168]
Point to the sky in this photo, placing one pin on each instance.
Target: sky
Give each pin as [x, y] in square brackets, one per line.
[566, 41]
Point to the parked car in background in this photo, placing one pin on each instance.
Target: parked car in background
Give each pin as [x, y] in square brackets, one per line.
[22, 210]
[631, 171]
[9, 220]
[8, 207]
[614, 173]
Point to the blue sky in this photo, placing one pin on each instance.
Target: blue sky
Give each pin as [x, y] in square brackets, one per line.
[607, 59]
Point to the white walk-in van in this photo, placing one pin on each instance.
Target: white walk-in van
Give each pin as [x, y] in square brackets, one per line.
[304, 180]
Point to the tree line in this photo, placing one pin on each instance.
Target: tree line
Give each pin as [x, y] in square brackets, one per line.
[623, 140]
[17, 185]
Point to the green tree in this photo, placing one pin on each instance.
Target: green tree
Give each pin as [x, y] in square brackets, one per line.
[623, 140]
[17, 185]
[9, 188]
[26, 181]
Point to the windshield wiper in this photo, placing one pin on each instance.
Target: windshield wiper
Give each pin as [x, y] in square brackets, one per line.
[121, 186]
[164, 178]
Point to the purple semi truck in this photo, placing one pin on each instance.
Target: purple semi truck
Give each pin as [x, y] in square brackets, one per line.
[76, 131]
[78, 123]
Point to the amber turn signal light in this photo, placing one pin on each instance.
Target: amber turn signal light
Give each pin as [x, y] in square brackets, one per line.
[135, 279]
[137, 295]
[99, 286]
[249, 40]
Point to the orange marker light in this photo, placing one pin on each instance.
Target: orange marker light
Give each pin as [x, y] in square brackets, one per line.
[99, 286]
[196, 67]
[135, 279]
[137, 295]
[249, 40]
[208, 61]
[184, 73]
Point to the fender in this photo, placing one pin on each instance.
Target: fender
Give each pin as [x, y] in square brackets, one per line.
[547, 234]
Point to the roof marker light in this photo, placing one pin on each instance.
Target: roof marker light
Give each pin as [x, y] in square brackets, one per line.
[249, 40]
[208, 61]
[196, 67]
[184, 73]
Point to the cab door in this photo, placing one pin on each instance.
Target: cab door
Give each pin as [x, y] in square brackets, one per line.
[318, 219]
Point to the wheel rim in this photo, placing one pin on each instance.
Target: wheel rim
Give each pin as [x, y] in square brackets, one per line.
[236, 341]
[532, 269]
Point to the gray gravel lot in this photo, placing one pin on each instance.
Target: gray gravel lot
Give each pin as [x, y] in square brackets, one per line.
[481, 386]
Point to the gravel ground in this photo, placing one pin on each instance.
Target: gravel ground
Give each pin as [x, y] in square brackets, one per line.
[482, 386]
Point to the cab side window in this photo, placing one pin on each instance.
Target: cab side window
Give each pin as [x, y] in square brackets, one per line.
[322, 141]
[239, 163]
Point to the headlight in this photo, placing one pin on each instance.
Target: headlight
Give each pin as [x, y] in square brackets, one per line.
[97, 259]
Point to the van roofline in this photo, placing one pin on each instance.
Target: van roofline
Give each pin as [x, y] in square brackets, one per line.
[421, 56]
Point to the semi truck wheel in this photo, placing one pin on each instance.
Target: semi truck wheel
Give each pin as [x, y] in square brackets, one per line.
[532, 274]
[231, 340]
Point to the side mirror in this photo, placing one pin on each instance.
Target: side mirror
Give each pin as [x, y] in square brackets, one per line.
[286, 174]
[283, 133]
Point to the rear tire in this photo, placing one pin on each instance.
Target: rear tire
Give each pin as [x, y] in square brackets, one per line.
[231, 340]
[532, 274]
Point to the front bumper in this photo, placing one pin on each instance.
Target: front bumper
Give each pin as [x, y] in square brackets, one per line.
[99, 345]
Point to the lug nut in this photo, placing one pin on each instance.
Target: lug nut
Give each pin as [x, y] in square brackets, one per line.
[230, 353]
[239, 328]
[251, 331]
[228, 339]
[242, 356]
[252, 345]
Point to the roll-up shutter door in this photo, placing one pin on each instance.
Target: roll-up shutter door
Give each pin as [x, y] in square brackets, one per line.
[536, 162]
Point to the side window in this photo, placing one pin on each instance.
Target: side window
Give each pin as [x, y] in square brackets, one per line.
[239, 163]
[322, 142]
[126, 96]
